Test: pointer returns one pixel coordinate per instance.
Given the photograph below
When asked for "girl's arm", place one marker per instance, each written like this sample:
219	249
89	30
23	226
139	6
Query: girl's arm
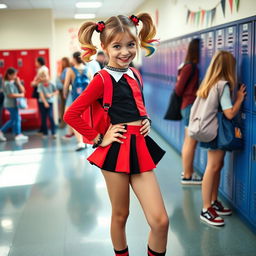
232	112
183	77
73	115
21	87
41	95
67	82
16	95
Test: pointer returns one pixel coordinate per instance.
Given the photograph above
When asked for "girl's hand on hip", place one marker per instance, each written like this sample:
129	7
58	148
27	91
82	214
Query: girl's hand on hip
145	129
113	134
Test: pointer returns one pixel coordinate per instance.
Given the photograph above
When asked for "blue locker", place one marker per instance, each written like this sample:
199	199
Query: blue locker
202	64
210	47
231	40
220	39
227	176
242	167
252	198
245	62
254	72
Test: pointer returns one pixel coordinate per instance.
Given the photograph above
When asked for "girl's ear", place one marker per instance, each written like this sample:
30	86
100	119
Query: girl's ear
104	48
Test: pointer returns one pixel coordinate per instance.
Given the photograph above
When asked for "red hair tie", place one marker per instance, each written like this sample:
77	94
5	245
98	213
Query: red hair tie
100	26
135	20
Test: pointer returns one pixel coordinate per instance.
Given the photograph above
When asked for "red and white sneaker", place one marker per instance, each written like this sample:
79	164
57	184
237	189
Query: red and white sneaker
220	209
68	136
211	217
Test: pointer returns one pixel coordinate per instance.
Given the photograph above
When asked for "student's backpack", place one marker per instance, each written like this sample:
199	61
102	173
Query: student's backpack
203	122
98	116
80	82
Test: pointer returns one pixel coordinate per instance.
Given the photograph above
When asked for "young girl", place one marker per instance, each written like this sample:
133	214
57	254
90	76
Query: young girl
126	154
186	86
46	92
77	75
222	67
13	89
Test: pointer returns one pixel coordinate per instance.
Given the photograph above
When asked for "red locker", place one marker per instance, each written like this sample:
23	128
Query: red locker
24	61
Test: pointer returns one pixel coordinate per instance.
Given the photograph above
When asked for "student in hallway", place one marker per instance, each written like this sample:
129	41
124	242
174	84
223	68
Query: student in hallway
125	153
13	89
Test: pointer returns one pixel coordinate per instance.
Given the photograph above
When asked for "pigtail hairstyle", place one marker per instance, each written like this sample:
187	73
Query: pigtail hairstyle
85	38
147	34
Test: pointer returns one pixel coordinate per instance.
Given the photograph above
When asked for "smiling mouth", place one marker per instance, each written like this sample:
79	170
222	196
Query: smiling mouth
125	59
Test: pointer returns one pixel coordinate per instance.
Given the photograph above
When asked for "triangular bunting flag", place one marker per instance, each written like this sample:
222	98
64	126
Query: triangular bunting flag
223	6
207	18
213	12
231	5
202	16
237	4
198	18
188	14
192	17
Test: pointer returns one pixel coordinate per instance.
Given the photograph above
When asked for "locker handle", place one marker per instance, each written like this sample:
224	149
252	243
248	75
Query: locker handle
254	152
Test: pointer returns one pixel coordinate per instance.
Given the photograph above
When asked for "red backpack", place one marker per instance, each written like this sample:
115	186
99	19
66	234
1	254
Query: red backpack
98	117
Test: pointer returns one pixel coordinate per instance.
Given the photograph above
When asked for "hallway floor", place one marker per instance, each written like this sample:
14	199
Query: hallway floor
54	203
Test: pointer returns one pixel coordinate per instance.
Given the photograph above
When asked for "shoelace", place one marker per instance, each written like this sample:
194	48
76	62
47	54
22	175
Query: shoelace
218	205
213	213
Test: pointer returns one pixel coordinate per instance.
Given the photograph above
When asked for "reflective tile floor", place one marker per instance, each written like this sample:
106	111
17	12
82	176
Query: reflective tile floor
53	203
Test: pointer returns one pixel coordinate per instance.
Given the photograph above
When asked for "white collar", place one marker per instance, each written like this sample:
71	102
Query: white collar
118	75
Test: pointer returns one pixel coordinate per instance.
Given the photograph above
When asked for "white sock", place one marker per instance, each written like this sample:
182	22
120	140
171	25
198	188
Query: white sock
205	210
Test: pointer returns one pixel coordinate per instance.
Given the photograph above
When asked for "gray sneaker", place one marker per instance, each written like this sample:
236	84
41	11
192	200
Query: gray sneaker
2	137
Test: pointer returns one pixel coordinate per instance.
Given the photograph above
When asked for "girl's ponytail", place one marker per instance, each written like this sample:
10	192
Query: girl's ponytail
85	38
147	33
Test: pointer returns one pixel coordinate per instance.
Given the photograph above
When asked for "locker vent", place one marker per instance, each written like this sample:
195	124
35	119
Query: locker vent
245	42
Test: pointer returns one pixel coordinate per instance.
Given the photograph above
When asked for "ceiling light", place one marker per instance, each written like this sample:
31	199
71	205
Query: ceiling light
85	16
3	6
88	4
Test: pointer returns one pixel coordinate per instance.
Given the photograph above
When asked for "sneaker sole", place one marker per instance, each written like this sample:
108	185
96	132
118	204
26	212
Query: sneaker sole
211	223
224	214
191	182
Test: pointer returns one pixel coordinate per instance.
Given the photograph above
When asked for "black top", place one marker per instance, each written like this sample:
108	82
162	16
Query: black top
123	109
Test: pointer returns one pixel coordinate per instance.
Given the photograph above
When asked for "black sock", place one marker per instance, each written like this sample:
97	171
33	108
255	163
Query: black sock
152	253
122	253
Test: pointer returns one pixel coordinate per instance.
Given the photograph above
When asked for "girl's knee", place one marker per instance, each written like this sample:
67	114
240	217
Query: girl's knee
160	223
120	216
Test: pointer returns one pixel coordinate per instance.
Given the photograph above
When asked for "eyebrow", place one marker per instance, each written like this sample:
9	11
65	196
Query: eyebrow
120	42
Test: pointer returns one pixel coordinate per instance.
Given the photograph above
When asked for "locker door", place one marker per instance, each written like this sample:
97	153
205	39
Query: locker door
252	198
245	62
242	167
209	48
231	40
26	67
7	59
202	64
227	177
254	68
219	42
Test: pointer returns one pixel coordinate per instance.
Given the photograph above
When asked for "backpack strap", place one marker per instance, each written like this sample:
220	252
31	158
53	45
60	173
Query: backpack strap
138	75
75	70
108	89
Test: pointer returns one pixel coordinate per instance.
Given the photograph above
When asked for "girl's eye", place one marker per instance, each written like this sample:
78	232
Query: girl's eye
116	46
131	44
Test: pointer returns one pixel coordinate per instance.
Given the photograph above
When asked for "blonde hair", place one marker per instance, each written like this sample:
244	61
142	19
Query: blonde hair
114	26
222	67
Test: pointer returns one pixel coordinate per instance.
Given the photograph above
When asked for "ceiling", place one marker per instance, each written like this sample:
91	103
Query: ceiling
65	9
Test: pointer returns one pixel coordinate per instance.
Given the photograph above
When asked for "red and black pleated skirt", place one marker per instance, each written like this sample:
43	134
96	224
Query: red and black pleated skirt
136	155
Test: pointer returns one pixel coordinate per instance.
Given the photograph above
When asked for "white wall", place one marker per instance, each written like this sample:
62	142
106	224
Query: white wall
66	37
173	13
28	29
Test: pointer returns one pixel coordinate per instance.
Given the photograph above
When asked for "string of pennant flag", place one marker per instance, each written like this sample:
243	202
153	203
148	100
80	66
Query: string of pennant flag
207	16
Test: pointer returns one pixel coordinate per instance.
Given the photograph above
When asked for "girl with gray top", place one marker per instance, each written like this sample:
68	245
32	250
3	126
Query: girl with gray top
12	89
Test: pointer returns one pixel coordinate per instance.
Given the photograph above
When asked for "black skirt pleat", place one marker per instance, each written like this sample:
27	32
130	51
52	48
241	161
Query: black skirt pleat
154	150
111	158
134	163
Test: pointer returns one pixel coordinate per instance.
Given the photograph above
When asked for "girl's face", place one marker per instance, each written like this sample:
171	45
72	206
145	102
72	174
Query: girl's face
12	76
121	51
